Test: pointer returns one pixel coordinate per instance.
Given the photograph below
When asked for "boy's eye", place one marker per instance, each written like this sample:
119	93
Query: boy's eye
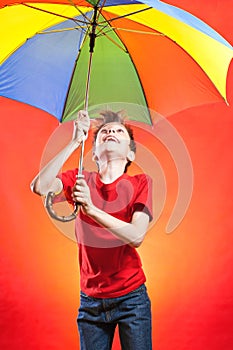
120	130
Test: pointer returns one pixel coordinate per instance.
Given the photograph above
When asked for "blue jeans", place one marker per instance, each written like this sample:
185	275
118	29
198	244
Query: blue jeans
98	318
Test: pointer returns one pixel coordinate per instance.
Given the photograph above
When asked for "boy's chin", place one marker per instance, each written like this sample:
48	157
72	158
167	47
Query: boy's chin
112	149
111	144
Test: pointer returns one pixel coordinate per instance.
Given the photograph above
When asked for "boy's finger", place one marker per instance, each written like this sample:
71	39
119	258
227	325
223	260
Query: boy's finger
80	182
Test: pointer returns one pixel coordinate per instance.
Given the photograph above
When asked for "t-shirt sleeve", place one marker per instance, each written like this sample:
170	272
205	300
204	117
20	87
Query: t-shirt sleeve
143	199
68	179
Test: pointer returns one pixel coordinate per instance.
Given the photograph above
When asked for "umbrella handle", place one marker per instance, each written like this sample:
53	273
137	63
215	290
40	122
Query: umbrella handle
49	206
50	196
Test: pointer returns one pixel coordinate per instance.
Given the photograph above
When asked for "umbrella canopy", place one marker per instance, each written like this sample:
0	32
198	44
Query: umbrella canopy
147	53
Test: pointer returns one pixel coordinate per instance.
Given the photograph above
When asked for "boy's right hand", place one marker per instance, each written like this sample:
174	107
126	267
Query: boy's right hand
81	126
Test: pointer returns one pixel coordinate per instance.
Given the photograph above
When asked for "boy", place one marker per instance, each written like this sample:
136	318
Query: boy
115	210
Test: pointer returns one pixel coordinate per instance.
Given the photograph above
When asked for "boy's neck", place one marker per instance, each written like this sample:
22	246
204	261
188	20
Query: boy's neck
111	170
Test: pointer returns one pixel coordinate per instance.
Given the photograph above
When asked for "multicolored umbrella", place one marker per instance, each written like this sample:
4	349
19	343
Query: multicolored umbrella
147	53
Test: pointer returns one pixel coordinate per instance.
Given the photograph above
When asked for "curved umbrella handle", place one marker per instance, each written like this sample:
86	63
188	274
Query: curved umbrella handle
50	196
49	206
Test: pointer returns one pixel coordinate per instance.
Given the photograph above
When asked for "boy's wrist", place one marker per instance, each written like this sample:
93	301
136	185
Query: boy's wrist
74	144
91	210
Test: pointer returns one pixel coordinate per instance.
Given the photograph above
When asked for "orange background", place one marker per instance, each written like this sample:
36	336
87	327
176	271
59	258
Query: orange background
189	272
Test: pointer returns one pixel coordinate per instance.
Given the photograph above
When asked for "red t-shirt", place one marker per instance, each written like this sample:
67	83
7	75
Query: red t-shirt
109	267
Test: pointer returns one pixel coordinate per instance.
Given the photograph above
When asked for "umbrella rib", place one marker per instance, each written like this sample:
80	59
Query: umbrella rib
78	9
127	15
63	30
115	28
100	9
133	31
114	42
54	14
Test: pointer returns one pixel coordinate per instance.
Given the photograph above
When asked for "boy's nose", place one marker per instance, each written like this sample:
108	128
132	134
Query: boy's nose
111	130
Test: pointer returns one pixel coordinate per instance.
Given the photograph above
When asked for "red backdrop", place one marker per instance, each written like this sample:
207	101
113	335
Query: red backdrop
189	272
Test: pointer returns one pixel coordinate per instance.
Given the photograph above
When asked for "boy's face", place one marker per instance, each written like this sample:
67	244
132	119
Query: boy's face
112	138
114	132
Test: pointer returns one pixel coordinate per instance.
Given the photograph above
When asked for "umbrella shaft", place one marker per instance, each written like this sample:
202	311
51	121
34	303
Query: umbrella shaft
92	35
80	167
88	83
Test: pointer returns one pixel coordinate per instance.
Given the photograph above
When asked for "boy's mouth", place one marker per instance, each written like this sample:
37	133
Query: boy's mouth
111	138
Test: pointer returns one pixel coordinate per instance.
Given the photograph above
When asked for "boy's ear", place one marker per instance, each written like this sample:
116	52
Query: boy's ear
131	156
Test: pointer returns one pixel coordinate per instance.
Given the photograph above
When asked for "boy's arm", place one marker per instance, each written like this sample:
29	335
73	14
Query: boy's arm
46	180
131	233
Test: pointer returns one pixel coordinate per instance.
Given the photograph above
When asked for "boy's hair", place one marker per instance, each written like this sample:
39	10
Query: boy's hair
115	117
